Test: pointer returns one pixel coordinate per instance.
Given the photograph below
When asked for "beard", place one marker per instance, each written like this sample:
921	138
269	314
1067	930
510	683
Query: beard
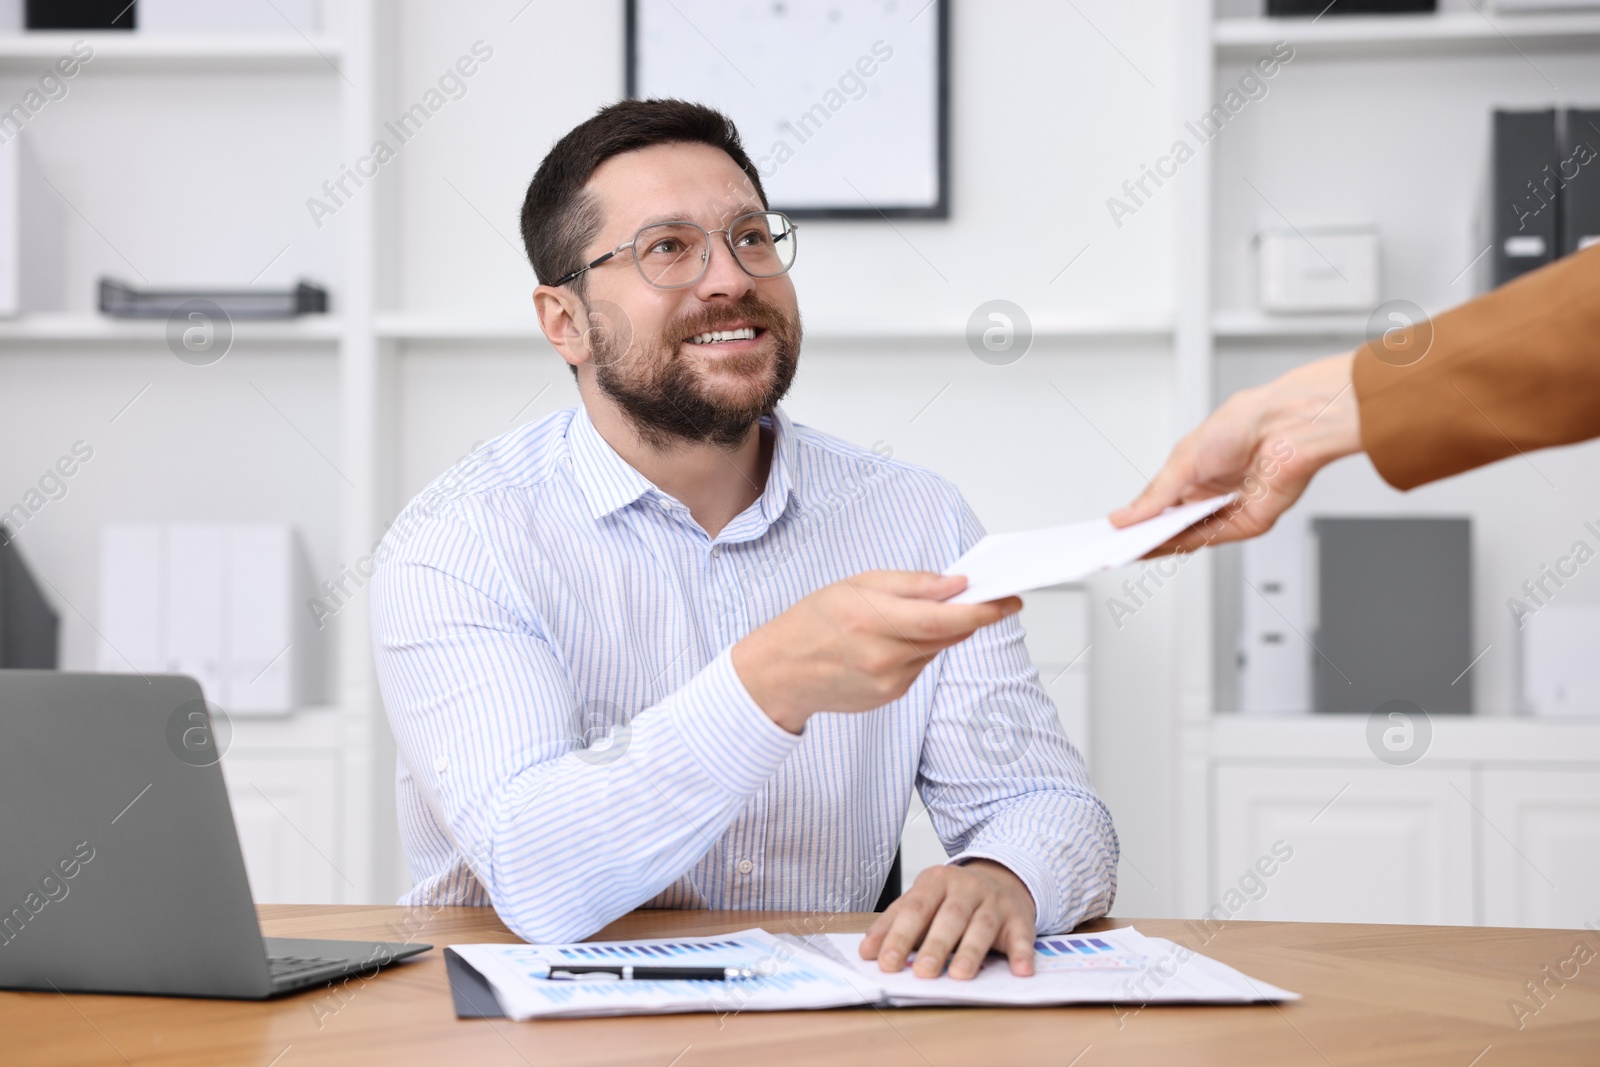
658	385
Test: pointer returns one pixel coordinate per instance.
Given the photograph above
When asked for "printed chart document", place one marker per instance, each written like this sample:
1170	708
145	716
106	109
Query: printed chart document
1111	967
1119	966
1005	564
787	977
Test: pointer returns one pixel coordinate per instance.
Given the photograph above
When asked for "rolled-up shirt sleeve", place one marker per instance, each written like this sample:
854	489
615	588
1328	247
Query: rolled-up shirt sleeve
564	836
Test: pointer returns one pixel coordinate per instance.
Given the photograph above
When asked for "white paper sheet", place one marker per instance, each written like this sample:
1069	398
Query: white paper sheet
1119	966
788	978
1005	564
826	971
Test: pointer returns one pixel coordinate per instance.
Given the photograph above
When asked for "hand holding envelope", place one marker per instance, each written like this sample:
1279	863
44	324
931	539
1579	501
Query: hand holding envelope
1005	564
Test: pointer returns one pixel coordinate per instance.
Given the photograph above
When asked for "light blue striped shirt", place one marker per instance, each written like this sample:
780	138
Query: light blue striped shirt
552	636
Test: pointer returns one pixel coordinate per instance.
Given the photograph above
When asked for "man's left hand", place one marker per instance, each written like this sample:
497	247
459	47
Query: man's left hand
964	909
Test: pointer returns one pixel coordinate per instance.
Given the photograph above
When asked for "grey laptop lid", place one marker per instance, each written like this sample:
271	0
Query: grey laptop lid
120	870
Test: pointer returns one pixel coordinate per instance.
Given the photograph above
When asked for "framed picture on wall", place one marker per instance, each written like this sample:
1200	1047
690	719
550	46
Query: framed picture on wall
843	104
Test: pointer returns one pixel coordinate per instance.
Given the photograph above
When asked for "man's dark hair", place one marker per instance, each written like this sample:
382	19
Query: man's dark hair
559	219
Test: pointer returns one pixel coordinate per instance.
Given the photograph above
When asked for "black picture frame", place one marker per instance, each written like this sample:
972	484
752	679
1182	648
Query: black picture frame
938	208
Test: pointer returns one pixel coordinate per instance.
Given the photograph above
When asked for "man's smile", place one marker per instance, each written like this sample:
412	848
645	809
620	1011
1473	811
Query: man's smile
722	336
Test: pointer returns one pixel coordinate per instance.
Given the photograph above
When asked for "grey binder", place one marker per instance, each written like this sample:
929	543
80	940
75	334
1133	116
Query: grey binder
1394	614
1526	192
1580	174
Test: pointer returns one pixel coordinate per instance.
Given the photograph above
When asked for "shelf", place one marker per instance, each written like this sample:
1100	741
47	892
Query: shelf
1456	738
97	329
413	327
1408	35
1252	325
165	54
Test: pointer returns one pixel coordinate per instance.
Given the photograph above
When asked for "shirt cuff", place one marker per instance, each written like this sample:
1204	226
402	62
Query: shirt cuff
735	743
1037	877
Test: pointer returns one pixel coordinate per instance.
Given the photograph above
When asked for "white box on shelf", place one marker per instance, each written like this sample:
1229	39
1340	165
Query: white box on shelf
233	16
1274	658
1317	270
218	601
1561	660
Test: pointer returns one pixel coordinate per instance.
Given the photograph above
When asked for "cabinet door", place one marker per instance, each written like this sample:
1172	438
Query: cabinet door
286	808
1541	847
1364	844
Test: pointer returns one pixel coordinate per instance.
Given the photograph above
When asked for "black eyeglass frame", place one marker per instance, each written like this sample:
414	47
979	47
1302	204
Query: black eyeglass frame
790	228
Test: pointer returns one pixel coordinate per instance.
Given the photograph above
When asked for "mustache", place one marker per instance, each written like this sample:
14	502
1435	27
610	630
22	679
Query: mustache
751	310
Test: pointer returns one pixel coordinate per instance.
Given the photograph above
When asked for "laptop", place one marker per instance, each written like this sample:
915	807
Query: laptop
120	869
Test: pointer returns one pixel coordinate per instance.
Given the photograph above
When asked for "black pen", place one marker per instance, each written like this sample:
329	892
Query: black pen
629	972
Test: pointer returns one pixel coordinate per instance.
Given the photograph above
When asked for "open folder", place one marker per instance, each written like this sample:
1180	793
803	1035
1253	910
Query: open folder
826	971
1002	565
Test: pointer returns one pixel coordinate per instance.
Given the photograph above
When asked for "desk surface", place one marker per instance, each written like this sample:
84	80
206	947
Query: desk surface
1373	994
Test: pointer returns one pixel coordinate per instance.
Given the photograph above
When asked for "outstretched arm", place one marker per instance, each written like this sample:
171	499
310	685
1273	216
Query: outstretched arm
1264	444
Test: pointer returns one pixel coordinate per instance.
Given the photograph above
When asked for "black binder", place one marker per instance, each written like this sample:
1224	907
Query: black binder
80	15
28	624
473	995
1526	192
1580	203
1349	7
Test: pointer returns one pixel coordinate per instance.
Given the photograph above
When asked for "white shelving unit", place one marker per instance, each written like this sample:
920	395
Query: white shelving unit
305	787
1446	32
98	330
1438	840
134	52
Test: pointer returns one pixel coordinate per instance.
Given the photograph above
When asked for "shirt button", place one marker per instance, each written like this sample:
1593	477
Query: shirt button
441	764
716	550
745	866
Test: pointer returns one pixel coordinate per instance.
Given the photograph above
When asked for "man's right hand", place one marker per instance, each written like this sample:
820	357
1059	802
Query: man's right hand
858	644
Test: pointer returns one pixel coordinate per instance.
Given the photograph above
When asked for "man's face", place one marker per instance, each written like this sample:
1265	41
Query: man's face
650	348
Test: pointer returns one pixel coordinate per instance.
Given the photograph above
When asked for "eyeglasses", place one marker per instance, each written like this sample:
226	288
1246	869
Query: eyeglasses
671	255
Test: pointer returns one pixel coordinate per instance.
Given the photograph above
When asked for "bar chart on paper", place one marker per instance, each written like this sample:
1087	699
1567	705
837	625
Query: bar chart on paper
683	951
1051	955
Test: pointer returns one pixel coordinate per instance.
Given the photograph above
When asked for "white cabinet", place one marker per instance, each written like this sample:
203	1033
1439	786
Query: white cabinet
286	809
1497	823
1541	847
1364	844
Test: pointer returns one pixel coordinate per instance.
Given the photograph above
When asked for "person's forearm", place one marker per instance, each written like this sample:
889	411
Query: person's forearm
1515	370
582	841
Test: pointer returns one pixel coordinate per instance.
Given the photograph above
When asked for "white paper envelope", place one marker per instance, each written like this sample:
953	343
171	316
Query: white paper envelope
1005	564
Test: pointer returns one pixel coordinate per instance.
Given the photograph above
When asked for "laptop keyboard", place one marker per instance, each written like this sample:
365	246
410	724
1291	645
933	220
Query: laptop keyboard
288	968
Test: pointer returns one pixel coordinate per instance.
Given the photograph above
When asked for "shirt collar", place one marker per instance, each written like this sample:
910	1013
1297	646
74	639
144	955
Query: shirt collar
609	483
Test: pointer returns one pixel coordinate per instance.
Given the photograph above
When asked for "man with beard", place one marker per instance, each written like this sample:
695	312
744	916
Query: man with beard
604	649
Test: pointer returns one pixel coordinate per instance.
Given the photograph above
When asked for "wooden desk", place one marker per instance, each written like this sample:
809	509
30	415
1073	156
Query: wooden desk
1373	994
